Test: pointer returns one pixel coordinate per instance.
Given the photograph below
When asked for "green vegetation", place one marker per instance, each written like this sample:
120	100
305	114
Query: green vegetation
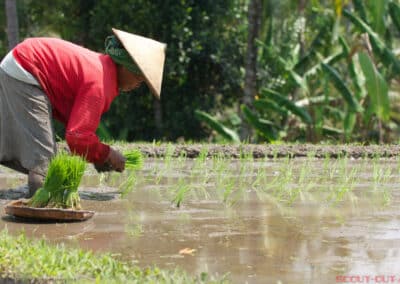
322	67
134	160
324	71
60	189
25	260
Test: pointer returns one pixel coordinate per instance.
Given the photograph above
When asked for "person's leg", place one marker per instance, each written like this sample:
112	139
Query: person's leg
26	130
15	165
35	181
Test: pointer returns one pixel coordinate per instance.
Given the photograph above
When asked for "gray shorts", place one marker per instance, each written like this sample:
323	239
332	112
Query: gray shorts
27	140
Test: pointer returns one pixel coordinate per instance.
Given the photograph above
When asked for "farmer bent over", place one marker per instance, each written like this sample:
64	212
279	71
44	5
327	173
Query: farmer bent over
43	78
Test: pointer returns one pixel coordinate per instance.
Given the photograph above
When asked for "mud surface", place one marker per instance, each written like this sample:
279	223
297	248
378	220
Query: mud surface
271	151
345	220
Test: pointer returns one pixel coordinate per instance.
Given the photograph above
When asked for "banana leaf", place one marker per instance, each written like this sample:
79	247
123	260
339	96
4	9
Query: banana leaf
377	87
214	124
317	43
264	127
394	11
377	11
327	130
387	57
314	100
352	69
341	87
331	59
300	81
360	8
289	105
337	113
266	105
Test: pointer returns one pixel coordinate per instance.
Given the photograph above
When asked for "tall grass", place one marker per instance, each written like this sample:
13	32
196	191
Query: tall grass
34	261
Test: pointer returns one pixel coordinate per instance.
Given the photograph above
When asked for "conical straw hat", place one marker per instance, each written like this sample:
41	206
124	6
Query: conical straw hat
149	56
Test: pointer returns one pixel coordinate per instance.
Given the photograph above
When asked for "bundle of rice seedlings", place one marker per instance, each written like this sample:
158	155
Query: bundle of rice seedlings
60	188
134	160
76	169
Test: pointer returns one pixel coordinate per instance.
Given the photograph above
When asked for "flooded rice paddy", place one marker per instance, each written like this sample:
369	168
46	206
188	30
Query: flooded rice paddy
257	221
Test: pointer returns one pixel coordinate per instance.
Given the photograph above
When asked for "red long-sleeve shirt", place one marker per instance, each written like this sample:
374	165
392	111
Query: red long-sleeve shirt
80	85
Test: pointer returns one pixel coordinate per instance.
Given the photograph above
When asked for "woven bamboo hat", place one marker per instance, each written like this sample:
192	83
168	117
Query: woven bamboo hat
149	56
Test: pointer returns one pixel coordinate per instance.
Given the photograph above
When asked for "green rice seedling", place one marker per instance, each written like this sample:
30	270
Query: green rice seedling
386	196
246	156
181	190
52	184
182	157
134	160
199	162
219	163
134	226
260	179
200	191
72	200
134	230
333	170
311	155
203	154
127	186
169	153
75	171
228	189
40	198
274	155
60	188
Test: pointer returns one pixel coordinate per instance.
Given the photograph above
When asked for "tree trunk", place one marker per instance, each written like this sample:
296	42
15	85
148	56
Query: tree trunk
250	82
158	117
301	11
12	23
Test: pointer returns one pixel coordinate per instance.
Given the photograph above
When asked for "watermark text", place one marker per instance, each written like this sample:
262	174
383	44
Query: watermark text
368	279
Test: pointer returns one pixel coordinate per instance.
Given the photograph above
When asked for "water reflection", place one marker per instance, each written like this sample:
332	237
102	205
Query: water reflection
239	218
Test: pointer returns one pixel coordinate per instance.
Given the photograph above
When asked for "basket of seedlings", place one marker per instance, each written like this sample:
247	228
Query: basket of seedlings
58	199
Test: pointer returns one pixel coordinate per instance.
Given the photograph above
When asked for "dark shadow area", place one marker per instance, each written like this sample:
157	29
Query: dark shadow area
13	219
22	192
99	196
9	280
14	193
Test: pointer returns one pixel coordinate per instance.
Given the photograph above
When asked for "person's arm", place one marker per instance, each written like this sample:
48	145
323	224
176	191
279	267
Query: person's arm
81	131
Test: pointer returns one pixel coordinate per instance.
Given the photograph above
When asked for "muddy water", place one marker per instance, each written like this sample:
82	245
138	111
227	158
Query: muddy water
343	222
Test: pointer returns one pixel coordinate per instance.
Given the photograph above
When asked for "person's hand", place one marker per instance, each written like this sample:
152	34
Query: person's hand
116	160
101	168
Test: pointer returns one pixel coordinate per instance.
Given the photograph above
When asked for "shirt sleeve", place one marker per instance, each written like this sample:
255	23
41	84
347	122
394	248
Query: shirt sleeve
81	128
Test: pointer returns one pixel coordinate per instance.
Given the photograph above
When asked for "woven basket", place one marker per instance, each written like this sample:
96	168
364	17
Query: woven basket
19	208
